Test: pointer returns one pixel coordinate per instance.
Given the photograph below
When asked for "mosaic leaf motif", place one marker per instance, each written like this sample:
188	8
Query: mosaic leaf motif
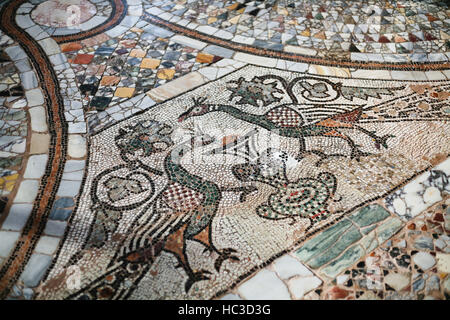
253	91
208	223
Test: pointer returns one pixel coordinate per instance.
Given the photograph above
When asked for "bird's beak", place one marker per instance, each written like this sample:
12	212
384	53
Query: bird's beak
182	117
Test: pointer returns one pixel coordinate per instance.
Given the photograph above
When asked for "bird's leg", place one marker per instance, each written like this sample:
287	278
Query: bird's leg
204	237
194	276
379	141
355	153
176	244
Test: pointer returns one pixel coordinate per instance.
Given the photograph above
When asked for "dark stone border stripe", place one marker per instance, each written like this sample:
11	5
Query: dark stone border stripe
424	66
118	13
57	127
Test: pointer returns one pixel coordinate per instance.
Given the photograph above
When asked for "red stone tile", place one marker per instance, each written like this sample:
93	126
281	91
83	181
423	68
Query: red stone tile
83	58
71	46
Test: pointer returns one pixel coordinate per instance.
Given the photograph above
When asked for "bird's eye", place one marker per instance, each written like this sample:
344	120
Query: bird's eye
198	109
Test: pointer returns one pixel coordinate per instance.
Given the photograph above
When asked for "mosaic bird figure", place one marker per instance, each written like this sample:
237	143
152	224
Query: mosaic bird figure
183	211
288	122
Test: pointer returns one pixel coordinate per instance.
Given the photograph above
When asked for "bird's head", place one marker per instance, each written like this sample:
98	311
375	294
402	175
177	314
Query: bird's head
198	109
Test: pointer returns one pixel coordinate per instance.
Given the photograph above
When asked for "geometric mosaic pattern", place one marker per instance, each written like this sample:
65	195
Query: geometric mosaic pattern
329	28
224	150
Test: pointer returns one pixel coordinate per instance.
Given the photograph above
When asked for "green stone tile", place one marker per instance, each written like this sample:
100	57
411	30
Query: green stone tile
323	241
369	242
366	230
350	256
349	237
369	215
388	229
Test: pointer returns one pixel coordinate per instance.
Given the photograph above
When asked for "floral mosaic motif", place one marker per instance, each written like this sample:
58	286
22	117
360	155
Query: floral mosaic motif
153	213
252	92
306	197
149	138
120	188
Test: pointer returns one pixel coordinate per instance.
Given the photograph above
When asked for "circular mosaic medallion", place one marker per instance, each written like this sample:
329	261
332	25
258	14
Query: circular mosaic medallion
63	14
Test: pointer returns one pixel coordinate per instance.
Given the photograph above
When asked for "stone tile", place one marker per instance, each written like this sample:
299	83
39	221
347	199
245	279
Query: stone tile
265	285
424	260
176	87
299	286
7	241
68	188
219	51
36	166
55	228
27	191
35	269
47	245
323	241
39	143
38	119
189	42
443	262
34	97
287	267
258	60
77	146
398	281
388	228
17	217
348	258
369	215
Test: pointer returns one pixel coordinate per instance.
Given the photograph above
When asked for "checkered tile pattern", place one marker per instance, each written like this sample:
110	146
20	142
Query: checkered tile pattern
181	198
285	117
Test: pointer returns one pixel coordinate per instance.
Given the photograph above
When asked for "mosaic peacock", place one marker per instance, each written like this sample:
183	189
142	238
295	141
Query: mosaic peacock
182	211
287	122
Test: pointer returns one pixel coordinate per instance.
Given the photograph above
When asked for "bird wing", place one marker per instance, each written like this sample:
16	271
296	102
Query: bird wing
345	120
285	117
156	223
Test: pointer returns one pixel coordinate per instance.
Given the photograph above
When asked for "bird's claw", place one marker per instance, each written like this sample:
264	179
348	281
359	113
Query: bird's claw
357	154
382	141
196	277
225	254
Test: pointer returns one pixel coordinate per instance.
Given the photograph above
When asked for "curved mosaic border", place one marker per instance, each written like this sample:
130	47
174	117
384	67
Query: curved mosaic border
58	130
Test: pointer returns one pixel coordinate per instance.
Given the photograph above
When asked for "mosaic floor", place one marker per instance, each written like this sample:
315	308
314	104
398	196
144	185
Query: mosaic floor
227	149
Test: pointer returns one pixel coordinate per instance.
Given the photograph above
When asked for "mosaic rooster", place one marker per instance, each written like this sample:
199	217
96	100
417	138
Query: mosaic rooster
182	211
